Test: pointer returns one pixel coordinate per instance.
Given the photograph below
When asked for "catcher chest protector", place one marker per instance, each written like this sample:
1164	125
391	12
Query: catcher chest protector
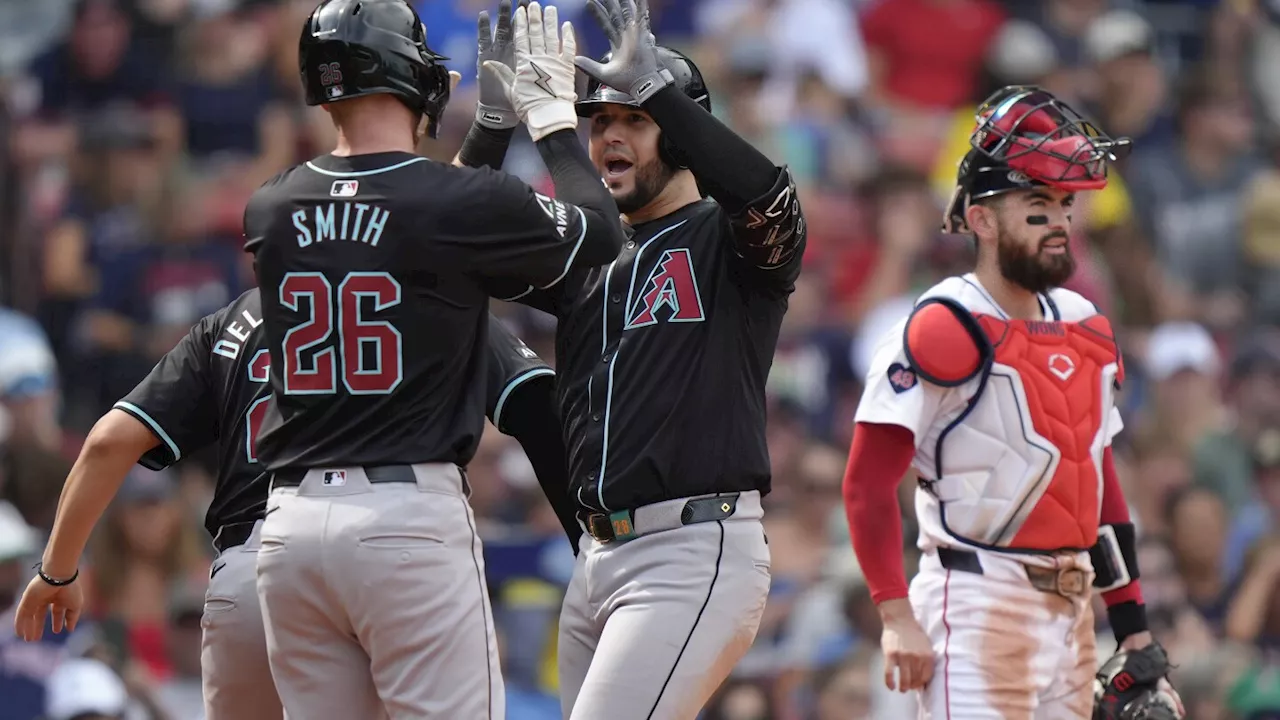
353	48
687	78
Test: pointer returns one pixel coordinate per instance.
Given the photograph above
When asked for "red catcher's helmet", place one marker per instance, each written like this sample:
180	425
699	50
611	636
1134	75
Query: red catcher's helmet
1025	137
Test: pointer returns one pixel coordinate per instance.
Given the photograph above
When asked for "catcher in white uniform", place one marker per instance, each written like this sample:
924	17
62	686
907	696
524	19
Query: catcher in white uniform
999	390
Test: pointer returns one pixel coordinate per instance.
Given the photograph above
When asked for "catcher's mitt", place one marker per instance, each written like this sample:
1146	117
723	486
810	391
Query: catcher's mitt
1132	686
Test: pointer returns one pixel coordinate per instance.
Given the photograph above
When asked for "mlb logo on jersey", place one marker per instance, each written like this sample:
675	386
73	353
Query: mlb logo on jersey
334	478
344	188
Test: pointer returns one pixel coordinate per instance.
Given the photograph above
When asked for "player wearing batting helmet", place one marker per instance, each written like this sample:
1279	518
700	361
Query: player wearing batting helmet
374	265
999	389
661	364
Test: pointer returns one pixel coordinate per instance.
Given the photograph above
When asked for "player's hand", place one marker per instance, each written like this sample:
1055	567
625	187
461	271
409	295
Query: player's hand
908	651
541	86
494	109
633	63
65	602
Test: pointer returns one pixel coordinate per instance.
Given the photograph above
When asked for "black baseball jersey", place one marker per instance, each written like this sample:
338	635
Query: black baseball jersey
662	356
372	273
511	364
212	387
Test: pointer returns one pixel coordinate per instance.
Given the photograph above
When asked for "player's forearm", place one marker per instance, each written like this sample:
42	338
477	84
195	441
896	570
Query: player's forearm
484	147
729	168
577	182
879	457
1125	609
110	451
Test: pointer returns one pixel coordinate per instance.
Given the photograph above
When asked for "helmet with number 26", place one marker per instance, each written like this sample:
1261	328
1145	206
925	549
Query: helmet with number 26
354	48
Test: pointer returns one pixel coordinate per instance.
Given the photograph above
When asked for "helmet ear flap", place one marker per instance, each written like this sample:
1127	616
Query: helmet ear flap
435	88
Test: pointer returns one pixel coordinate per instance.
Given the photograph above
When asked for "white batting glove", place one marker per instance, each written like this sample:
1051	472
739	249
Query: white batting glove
541	89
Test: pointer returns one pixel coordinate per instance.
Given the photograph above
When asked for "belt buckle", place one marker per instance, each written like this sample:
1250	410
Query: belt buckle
599	528
1070	582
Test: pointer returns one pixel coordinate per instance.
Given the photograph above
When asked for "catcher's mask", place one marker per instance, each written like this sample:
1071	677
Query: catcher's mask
1025	137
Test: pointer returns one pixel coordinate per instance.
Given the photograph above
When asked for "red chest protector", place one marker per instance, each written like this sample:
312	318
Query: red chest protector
1064	373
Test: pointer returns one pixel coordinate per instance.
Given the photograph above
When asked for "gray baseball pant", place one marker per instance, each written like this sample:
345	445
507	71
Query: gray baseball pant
652	626
235	675
375	600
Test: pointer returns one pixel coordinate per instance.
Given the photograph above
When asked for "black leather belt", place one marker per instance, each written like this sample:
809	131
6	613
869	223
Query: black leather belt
292	477
232	535
621	525
1067	582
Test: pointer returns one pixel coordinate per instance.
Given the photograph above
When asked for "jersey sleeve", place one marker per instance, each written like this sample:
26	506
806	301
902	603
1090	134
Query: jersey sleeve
512	364
769	235
502	228
894	394
176	400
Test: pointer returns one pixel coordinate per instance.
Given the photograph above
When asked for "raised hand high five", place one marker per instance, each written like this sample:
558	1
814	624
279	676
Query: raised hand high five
632	64
541	88
494	109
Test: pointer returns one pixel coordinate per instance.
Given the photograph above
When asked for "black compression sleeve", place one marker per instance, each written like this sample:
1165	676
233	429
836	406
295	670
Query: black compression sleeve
578	183
531	418
485	147
728	167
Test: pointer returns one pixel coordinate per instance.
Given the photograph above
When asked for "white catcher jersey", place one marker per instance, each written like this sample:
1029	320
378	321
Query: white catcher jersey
1010	459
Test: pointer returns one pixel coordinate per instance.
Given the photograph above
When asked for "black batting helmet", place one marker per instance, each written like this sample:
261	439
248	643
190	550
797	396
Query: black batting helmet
1025	137
688	78
354	48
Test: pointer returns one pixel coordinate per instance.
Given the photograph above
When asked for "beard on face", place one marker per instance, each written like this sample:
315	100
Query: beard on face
1033	269
650	179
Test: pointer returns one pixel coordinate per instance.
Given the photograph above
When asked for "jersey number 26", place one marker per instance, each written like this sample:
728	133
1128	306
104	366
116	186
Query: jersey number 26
336	323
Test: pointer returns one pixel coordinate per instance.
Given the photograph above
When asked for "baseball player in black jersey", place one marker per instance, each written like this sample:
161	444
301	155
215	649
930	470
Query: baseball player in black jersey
374	265
662	358
212	389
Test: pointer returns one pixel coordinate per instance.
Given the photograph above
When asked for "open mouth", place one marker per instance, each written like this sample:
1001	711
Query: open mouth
616	168
1056	246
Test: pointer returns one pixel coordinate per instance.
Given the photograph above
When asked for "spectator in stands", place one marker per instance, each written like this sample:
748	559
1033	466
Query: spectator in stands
29	386
844	690
740	699
1225	459
925	57
1132	90
112	212
25	668
1197	522
1253	617
1182	366
232	111
142	548
98	65
1189	205
1173	619
85	689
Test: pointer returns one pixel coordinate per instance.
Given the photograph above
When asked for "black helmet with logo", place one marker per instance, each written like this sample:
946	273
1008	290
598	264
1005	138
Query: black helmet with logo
354	48
687	78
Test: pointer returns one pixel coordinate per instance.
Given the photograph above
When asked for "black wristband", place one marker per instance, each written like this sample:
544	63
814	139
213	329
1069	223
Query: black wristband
1127	618
485	147
39	568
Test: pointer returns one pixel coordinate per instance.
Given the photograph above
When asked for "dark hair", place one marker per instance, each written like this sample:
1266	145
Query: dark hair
1200	90
1180	495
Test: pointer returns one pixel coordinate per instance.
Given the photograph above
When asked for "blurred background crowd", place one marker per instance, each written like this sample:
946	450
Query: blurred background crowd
134	130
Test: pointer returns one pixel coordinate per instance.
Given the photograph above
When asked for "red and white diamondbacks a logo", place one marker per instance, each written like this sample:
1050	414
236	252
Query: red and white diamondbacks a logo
671	284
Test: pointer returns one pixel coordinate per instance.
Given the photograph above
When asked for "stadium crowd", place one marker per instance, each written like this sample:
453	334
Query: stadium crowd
136	129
